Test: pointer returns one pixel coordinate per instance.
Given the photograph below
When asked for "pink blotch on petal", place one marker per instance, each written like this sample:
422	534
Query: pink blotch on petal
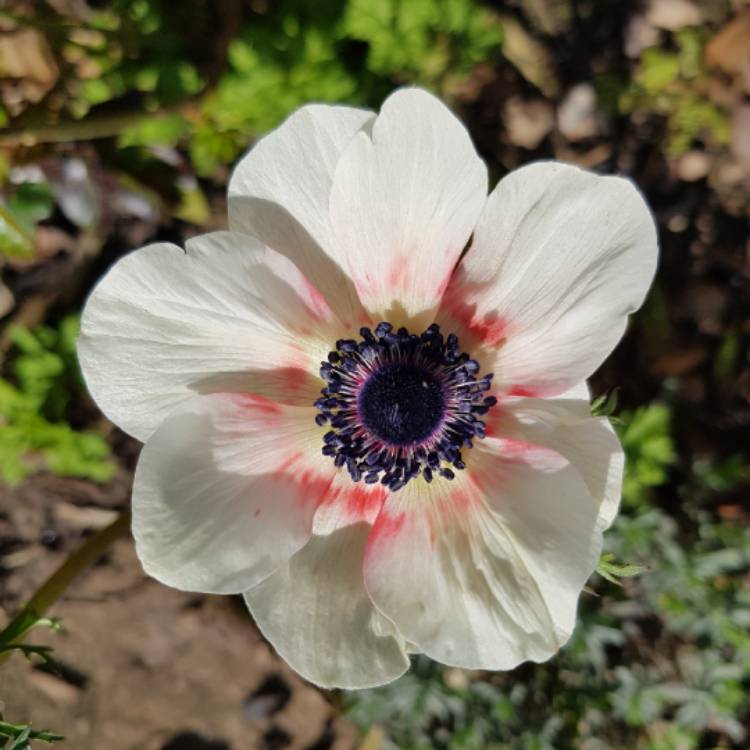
298	348
288	463
365	287
517	449
387	527
489	329
356	503
258	408
461	501
444	284
493	422
316	302
520	390
398	275
313	488
293	377
363	502
458	502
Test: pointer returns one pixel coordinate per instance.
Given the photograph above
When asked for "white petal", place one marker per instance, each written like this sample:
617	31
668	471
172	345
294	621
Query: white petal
316	613
560	258
404	202
579	392
225	492
227	315
293	167
279	192
485	572
566	426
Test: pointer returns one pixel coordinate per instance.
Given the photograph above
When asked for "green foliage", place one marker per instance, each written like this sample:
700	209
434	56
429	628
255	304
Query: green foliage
20	736
723	475
605	405
693	116
612	571
670	83
16	629
137	46
276	65
423	40
697	592
31	203
649	452
34	434
285	55
165	129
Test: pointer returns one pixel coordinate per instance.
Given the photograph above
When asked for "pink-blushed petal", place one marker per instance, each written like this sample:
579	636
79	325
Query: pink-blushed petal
280	190
315	609
226	490
227	314
485	572
566	426
406	195
560	258
347	503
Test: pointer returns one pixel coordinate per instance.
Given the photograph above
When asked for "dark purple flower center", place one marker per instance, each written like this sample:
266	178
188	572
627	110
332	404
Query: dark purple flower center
401	404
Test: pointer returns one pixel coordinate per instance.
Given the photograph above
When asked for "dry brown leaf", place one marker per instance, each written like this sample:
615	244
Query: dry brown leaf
531	57
27	68
729	50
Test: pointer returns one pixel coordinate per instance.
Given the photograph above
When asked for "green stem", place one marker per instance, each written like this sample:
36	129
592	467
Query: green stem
56	585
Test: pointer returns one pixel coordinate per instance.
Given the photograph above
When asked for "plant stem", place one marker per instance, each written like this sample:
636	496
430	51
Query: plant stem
56	585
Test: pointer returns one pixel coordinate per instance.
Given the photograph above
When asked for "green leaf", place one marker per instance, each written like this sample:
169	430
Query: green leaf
29	650
20	734
21	624
612	571
606	404
31	203
15	241
649	450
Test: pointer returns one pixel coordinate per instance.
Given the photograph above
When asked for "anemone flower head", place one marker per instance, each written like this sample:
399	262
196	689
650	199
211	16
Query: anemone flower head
380	438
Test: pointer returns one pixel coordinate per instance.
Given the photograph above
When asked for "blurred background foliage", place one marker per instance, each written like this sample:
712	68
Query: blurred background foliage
121	120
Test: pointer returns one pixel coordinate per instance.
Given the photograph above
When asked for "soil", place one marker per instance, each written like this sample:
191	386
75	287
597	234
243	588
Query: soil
140	666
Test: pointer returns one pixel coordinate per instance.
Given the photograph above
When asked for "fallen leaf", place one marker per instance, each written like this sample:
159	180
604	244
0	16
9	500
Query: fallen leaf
729	50
531	57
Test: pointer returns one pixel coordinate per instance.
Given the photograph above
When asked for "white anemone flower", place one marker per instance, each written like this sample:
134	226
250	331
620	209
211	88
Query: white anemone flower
382	442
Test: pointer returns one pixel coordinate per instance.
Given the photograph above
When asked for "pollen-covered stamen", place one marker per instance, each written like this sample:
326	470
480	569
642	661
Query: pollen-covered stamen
400	405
